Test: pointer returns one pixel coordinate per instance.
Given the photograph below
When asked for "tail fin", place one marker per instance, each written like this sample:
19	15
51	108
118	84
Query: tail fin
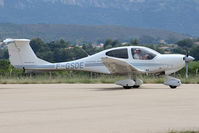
21	54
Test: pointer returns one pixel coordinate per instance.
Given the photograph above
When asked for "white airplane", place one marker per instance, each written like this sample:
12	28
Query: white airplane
129	60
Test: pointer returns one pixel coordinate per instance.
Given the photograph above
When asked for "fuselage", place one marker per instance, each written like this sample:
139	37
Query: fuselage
155	63
131	60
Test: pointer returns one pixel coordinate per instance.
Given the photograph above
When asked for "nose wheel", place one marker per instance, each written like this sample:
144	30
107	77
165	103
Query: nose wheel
172	82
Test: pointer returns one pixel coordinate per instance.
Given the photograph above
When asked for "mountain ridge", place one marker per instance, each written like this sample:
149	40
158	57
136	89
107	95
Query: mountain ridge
173	15
51	32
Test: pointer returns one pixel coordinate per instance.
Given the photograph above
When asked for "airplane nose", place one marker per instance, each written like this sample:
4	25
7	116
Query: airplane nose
188	58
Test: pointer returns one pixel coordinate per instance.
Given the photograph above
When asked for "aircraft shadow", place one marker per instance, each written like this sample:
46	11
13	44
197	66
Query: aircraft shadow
108	89
120	88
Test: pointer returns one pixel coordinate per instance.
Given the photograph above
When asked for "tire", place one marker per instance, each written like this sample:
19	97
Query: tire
127	87
136	86
172	87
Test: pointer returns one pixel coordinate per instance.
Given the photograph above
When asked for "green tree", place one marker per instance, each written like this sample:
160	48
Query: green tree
89	49
36	44
108	43
195	52
115	43
134	41
186	43
78	53
4	53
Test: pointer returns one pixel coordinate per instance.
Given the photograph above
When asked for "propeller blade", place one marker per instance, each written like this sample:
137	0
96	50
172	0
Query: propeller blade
187	60
187	69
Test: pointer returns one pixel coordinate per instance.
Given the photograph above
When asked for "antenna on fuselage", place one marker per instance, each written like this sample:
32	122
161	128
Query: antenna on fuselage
84	51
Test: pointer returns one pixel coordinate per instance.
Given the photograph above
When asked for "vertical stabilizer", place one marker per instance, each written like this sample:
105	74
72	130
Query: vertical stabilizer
21	54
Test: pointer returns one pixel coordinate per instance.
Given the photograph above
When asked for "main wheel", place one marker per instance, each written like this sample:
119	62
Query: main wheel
127	87
136	86
172	87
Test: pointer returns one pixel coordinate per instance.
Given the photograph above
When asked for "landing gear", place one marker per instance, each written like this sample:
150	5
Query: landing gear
127	87
172	82
136	86
172	87
127	83
130	83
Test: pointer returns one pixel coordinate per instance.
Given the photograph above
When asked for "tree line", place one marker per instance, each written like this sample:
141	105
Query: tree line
61	50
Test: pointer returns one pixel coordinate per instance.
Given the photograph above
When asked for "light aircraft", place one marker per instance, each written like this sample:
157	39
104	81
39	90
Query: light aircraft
129	60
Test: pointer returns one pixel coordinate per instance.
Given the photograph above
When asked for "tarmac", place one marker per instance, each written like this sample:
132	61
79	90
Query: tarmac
97	108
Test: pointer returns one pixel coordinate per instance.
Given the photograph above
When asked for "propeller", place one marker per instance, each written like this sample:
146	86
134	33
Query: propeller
187	60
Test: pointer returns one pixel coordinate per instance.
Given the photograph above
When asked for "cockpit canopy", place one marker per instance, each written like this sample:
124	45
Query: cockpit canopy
118	53
138	53
143	54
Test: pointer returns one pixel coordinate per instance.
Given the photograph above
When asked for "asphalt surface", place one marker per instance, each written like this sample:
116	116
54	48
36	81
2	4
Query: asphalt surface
97	108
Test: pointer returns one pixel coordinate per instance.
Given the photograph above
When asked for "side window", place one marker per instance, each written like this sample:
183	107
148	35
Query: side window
118	53
141	54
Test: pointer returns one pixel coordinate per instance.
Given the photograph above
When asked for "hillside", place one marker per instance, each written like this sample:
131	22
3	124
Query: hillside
51	32
172	15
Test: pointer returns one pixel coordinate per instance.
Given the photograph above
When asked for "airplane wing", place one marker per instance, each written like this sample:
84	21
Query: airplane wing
119	66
